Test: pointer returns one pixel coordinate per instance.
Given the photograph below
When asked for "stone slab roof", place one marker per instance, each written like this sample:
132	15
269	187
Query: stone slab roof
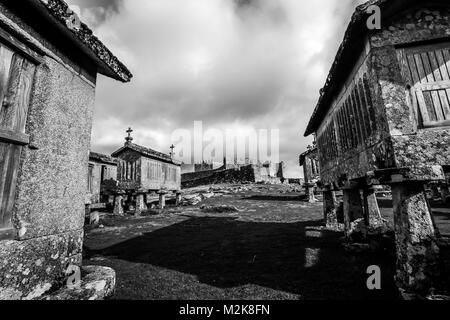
303	156
83	37
146	152
103	158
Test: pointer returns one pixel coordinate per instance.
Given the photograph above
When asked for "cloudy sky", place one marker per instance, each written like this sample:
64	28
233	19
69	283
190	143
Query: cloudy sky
229	63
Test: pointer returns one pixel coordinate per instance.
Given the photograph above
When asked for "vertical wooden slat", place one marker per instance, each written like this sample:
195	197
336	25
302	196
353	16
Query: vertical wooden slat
365	108
5	65
358	134
422	106
435	66
413	68
23	96
8	174
442	65
420	68
446	54
445	104
8	112
437	105
351	124
427	66
368	93
363	111
430	105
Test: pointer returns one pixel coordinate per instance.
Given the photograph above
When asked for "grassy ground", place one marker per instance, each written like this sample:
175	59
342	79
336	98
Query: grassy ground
274	248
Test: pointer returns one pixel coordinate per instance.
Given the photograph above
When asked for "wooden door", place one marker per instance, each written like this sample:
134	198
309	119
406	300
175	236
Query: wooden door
16	79
428	69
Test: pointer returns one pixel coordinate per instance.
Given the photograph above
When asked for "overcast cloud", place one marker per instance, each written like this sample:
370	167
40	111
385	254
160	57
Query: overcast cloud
228	63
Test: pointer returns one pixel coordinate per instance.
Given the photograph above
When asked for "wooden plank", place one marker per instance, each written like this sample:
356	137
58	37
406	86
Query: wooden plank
8	114
413	69
363	107
348	125
445	102
437	105
10	185
17	45
422	105
446	54
434	86
436	124
427	65
429	105
435	66
23	95
420	68
358	105
14	137
442	65
4	161
368	93
356	121
5	65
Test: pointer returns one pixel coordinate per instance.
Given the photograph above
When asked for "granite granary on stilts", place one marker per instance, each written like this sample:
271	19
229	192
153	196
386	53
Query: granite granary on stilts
383	118
144	173
49	63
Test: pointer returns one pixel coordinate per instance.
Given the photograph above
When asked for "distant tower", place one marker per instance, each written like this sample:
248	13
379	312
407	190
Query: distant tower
129	138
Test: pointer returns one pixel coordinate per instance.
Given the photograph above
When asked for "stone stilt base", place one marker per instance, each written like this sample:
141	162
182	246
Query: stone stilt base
330	207
372	215
178	199
162	199
415	237
118	208
141	206
310	197
353	210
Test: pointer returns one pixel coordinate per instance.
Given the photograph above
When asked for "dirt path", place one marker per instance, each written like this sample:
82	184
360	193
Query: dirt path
274	248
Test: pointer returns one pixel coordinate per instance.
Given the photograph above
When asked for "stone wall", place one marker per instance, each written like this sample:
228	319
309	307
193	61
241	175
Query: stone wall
48	215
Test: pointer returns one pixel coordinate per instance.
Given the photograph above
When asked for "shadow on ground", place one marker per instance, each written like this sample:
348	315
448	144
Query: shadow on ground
224	252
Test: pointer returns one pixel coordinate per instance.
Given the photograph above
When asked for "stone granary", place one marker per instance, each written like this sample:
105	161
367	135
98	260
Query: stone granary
143	172
102	177
311	171
48	70
383	117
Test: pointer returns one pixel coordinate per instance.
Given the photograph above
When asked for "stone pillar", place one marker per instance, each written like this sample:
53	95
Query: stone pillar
372	215
118	208
415	237
353	209
141	206
330	207
178	198
162	199
445	193
310	197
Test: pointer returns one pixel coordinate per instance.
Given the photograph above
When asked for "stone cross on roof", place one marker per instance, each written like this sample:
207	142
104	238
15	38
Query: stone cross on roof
171	150
129	138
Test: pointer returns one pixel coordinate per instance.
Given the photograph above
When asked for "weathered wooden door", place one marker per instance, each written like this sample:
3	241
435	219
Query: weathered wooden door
428	68
16	79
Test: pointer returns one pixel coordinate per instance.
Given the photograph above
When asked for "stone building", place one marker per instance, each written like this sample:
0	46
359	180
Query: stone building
48	70
102	174
143	171
383	117
311	171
